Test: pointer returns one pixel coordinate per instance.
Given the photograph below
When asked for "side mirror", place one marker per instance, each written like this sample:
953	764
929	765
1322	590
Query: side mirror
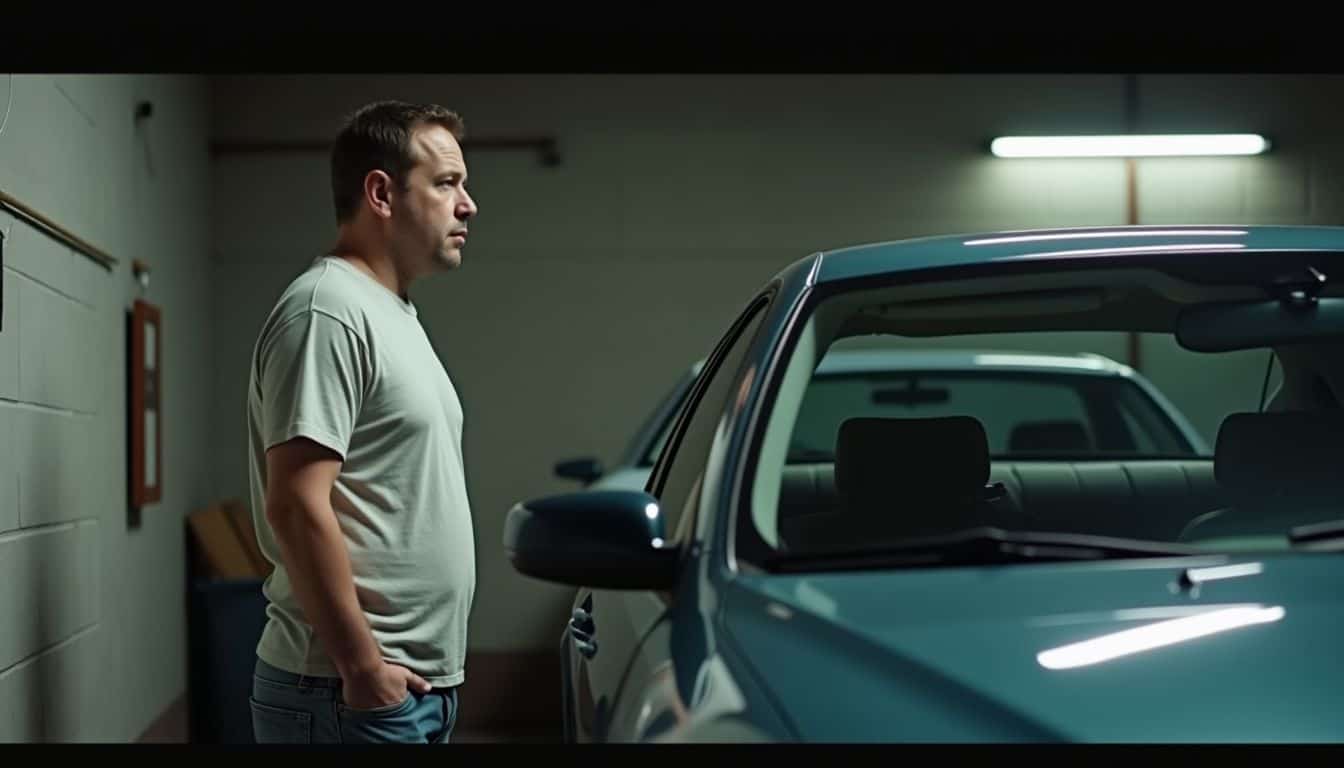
601	539
584	470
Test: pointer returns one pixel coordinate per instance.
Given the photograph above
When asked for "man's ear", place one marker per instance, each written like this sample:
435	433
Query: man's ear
378	193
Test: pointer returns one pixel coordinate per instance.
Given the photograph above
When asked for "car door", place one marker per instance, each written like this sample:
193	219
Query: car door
619	664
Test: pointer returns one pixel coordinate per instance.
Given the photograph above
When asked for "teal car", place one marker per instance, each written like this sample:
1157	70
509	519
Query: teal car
883	562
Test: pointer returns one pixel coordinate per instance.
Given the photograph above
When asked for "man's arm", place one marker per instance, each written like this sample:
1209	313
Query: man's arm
300	475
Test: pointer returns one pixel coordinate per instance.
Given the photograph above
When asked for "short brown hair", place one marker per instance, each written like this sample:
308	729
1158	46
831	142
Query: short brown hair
378	137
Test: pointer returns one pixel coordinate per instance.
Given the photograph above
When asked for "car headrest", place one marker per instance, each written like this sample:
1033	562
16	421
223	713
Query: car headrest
1049	436
882	465
1291	452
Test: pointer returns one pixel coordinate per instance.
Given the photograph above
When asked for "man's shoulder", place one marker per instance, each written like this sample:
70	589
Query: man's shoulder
324	288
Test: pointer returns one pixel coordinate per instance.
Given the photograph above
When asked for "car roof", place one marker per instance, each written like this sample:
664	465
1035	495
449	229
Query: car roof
1067	244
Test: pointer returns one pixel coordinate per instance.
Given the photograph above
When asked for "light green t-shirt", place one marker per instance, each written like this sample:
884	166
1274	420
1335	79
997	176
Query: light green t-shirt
345	362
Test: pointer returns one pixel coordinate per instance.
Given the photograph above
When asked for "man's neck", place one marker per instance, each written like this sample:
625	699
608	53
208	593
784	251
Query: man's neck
376	263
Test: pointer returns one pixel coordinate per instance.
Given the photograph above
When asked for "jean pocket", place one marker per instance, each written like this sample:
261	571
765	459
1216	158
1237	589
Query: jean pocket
393	723
386	709
279	725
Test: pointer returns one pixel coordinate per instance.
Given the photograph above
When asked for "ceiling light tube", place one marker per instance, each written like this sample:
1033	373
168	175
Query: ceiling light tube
1130	145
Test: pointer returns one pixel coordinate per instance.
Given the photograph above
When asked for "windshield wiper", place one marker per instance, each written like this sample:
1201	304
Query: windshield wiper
980	546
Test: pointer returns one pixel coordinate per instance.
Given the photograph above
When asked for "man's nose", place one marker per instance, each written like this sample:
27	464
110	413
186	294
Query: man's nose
467	208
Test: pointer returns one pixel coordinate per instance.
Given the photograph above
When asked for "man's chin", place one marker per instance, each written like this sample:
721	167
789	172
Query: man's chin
448	259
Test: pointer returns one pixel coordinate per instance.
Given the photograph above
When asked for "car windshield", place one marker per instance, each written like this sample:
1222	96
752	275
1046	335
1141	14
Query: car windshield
891	426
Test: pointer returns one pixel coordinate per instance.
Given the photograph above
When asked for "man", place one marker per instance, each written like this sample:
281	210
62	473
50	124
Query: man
355	430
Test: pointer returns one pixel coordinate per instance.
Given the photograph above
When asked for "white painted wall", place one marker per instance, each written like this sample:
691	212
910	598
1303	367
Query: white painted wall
586	288
92	626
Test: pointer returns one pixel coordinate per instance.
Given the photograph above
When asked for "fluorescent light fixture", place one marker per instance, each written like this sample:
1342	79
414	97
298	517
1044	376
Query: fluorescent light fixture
1131	145
1107	235
1157	635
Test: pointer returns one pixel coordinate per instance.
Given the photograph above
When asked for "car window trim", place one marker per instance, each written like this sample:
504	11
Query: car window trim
658	474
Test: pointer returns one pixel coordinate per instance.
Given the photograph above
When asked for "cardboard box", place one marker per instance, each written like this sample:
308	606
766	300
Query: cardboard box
223	536
241	517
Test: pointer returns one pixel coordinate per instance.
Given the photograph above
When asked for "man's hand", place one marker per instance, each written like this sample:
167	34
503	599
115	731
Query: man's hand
381	686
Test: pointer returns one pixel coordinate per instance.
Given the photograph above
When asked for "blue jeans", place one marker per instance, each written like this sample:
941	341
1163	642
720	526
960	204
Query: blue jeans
295	709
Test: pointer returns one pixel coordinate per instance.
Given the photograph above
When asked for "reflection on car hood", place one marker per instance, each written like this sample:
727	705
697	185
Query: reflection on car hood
1114	651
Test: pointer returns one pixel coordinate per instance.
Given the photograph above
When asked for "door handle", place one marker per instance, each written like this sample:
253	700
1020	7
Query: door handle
582	629
586	645
583	621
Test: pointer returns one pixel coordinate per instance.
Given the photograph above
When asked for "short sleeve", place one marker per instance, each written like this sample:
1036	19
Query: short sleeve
312	375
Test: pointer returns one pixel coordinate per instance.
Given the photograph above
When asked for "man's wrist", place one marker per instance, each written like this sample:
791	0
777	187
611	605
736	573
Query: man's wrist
360	667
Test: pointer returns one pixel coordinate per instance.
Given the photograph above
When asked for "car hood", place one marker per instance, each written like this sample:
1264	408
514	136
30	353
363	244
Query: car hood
1235	649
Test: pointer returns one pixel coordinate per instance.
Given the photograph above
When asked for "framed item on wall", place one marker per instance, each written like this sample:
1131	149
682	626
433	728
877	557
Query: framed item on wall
146	422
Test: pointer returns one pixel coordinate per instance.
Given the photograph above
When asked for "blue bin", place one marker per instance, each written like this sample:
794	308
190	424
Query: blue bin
224	623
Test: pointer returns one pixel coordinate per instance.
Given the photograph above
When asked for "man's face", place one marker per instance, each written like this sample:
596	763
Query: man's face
430	228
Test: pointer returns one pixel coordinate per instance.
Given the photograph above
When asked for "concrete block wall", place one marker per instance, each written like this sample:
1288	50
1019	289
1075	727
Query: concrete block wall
92	626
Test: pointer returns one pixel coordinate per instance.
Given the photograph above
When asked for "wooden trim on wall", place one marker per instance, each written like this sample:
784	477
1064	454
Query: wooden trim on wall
43	223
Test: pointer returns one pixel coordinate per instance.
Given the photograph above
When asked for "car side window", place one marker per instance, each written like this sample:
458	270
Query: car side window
681	467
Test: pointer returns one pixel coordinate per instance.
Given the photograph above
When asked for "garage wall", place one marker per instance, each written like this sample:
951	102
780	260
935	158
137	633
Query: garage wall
587	287
92	635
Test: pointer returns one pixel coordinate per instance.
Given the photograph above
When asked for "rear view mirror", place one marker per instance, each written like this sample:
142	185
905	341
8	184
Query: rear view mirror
911	396
1248	325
